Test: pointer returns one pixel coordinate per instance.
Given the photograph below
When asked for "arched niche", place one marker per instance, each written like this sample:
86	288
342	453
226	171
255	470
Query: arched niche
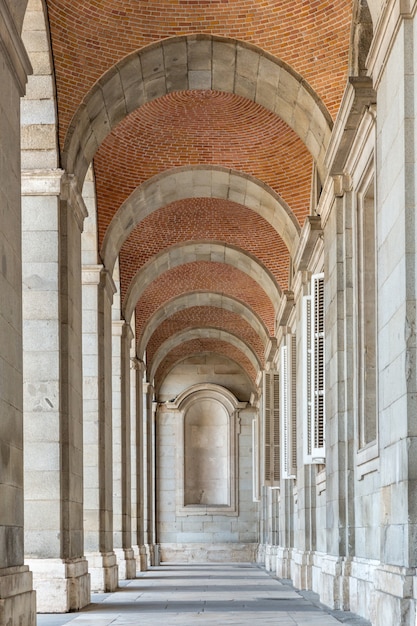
207	459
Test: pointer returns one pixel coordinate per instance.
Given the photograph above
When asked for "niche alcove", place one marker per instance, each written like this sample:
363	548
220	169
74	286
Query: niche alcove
207	455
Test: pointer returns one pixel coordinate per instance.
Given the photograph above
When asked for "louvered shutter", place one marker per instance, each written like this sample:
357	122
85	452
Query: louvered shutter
307	389
285	414
276	468
271	429
293	404
288	408
318	416
267	427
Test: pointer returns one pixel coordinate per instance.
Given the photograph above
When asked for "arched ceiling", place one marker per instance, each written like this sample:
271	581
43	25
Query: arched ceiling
204	122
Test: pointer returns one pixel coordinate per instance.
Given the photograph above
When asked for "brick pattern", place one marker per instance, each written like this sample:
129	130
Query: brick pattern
202	219
187	128
201	346
212	128
204	276
90	36
205	317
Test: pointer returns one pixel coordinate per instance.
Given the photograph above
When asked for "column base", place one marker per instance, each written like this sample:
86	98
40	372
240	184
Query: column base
141	559
61	586
126	562
103	570
283	562
150	554
17	597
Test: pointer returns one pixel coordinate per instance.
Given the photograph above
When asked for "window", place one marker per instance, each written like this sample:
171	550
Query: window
313	372
272	464
288	407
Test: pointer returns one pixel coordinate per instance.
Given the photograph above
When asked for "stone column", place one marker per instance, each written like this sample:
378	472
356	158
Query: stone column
122	535
149	473
53	391
141	463
134	491
17	600
98	290
339	411
305	533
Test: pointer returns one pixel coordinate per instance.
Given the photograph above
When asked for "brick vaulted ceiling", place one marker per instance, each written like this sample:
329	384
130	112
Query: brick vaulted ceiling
204	128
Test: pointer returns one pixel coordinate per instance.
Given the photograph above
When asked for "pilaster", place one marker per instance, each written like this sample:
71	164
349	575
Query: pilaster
53	393
122	534
17	599
98	290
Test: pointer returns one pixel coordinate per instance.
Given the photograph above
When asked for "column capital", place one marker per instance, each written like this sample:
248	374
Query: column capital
91	274
137	364
71	194
342	184
41	182
127	331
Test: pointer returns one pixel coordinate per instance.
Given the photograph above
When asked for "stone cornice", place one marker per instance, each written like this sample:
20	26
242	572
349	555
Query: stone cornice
127	332
358	97
385	32
91	274
41	182
71	194
270	350
13	49
309	235
117	328
284	311
107	283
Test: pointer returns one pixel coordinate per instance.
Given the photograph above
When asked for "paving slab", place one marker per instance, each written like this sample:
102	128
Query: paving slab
207	594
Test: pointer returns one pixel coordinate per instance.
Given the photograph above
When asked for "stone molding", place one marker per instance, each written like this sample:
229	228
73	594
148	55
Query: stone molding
229	65
13	49
200	298
310	233
199	251
285	309
385	32
41	182
204	182
71	195
202	333
359	95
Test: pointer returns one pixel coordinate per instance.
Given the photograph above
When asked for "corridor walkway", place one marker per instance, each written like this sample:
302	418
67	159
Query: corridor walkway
210	595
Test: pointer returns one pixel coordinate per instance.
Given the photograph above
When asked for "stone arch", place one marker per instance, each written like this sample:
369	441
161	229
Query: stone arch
201	333
188	300
196	62
204	182
199	251
165	371
361	38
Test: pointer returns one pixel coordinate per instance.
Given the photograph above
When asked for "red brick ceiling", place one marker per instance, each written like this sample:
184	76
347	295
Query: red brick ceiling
206	128
205	316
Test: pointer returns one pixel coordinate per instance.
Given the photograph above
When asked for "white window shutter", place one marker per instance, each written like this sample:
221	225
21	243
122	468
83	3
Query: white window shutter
285	414
271	429
307	382
276	467
288	408
267	427
318	382
292	369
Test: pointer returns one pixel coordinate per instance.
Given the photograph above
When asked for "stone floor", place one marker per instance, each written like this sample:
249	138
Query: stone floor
212	595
